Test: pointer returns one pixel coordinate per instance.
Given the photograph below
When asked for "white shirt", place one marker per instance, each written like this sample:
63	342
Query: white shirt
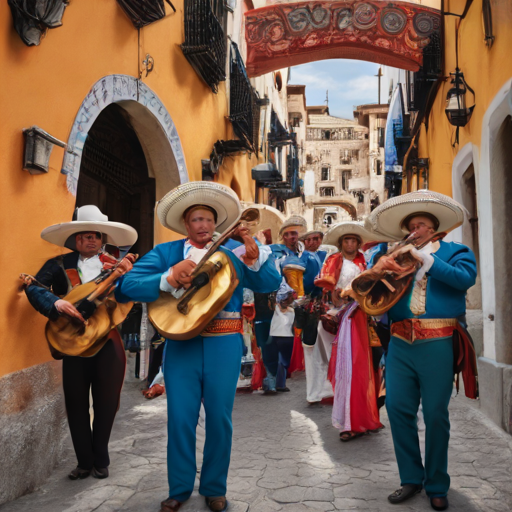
191	252
282	322
89	268
349	271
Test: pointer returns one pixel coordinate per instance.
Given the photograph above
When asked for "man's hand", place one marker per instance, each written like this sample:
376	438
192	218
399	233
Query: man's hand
251	247
126	264
388	263
179	274
66	308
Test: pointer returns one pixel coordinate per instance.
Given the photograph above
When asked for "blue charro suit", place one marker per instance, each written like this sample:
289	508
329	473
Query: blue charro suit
203	368
424	369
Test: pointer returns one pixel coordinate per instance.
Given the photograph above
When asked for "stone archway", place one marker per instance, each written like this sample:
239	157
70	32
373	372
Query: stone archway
150	120
397	34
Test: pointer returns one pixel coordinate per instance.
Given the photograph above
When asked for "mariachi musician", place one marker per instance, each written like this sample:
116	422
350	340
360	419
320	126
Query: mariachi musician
427	336
103	373
205	368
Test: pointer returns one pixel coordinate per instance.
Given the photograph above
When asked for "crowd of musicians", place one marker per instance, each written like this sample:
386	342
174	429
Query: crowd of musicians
373	313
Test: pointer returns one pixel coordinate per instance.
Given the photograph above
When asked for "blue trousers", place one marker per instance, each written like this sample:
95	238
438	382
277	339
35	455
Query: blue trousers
203	368
269	351
285	348
425	371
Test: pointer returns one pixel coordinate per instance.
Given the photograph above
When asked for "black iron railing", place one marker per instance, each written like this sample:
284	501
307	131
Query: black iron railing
144	12
205	42
420	83
243	102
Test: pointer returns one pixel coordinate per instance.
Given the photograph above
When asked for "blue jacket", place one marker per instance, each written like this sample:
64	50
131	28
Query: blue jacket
142	283
453	272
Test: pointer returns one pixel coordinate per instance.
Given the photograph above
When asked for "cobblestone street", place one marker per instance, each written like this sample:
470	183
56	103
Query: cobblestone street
286	457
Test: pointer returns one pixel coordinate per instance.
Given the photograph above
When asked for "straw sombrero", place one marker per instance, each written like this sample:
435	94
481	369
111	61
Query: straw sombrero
351	228
222	199
389	218
270	218
312	232
90	218
295	221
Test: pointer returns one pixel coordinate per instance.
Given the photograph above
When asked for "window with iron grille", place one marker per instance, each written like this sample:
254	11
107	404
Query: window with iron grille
326	174
327	192
244	110
205	42
349	156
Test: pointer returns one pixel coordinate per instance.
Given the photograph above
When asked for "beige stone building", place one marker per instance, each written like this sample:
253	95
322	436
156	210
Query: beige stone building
336	177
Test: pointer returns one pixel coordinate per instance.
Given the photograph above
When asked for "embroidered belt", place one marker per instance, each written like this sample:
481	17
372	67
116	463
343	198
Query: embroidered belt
413	329
223	326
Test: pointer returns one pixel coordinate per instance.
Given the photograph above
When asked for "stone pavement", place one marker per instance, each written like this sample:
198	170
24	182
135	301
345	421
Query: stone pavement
286	457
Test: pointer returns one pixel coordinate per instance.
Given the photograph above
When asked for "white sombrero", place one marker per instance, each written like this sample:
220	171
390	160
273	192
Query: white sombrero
222	199
295	221
389	217
90	218
351	228
270	218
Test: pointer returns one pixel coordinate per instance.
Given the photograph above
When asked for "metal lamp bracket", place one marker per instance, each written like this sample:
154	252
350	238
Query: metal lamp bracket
38	148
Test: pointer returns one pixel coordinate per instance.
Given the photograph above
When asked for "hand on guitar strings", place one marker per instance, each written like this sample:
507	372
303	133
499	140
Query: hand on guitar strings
388	263
251	247
66	308
179	274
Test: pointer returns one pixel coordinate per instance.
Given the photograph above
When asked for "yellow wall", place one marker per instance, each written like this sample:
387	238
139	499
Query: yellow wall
485	70
45	86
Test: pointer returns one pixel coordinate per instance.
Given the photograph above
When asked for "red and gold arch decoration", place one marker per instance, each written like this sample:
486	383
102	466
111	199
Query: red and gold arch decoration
390	33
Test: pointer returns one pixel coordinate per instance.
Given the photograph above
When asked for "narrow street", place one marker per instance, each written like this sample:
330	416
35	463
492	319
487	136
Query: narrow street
286	457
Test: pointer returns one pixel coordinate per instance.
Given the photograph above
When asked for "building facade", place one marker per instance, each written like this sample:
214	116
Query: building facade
106	108
336	178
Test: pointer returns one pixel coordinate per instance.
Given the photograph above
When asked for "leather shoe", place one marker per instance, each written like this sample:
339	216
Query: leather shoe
170	505
439	503
99	472
217	503
79	473
404	493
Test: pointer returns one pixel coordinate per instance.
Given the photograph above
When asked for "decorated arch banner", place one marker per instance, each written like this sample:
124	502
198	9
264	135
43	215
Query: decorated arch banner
390	33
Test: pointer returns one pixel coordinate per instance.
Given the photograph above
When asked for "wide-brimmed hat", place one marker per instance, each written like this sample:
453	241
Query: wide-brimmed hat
90	218
295	221
353	228
270	218
389	218
312	232
222	199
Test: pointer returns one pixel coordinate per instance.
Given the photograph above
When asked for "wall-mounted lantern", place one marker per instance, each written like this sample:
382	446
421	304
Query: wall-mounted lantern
456	110
38	148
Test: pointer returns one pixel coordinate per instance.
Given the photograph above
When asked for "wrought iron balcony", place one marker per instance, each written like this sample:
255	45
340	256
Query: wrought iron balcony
144	12
244	108
205	42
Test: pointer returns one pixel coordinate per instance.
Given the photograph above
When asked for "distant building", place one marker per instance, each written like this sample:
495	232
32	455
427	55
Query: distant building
374	117
336	179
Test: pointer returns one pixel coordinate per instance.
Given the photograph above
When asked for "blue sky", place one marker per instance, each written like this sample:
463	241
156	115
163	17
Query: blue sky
350	82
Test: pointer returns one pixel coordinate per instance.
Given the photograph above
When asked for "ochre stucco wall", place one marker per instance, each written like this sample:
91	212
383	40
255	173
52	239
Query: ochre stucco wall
485	70
45	86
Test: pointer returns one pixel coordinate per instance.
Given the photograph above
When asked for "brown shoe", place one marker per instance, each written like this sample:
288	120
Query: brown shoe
217	503
170	505
79	473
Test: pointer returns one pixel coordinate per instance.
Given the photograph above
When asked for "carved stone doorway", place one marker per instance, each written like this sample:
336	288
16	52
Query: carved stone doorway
114	175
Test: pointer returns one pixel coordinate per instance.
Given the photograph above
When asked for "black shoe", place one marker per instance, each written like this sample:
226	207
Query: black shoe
439	503
100	472
283	390
404	493
79	473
